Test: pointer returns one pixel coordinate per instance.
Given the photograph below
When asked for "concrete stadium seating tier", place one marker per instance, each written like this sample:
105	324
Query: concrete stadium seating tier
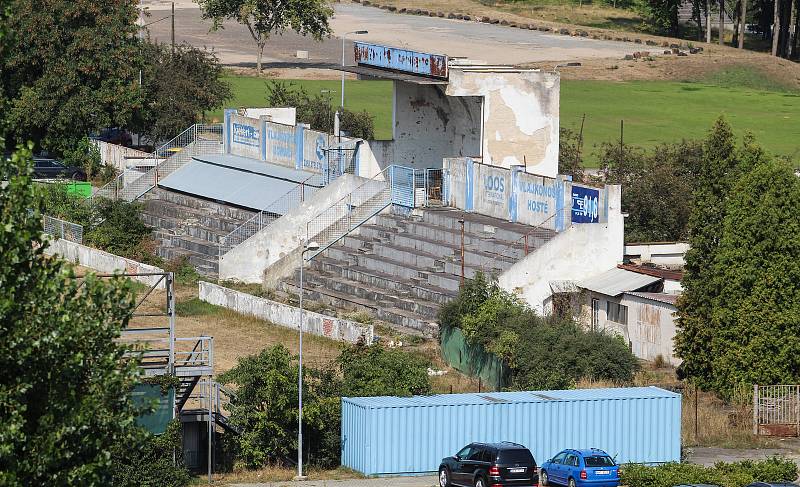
187	226
403	269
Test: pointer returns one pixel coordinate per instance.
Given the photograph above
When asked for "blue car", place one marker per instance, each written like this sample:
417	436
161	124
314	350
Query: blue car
580	468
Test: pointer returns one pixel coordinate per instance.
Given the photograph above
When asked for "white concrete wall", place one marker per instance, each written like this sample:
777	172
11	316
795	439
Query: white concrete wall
650	330
102	261
660	253
285	116
118	155
520	116
580	251
285	315
429	126
248	261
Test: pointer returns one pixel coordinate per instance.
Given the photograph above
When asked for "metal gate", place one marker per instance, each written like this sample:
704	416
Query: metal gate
776	410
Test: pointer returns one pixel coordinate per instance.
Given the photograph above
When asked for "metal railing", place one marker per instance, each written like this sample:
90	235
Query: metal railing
62	229
776	410
201	355
430	187
199	139
392	185
266	217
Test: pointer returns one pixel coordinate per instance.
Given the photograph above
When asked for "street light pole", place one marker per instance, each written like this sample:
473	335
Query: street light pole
461	221
310	246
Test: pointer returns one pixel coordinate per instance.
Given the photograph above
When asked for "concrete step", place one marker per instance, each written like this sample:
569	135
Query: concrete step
478	224
174	226
188	201
201	262
195	245
381	280
167	210
401	300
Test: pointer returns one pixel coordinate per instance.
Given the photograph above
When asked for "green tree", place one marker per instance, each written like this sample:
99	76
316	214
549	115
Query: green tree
570	157
318	111
64	382
265	409
375	371
661	16
152	461
715	176
657	188
179	87
266	17
756	310
69	67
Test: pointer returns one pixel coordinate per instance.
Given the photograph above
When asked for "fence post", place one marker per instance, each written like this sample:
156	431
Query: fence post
755	409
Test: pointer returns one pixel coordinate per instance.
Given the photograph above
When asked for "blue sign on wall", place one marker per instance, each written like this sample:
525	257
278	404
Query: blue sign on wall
585	205
245	135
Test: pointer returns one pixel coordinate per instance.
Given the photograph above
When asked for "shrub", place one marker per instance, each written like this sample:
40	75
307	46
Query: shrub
375	371
86	155
150	462
736	474
551	352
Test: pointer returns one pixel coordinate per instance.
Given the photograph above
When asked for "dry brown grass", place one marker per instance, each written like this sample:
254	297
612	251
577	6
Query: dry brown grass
281	474
718	424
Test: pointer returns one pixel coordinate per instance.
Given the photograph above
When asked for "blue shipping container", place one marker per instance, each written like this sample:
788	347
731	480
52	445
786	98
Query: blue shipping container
410	435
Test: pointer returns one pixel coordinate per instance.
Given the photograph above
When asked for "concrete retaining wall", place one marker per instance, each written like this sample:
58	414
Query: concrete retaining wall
118	155
247	261
102	261
284	314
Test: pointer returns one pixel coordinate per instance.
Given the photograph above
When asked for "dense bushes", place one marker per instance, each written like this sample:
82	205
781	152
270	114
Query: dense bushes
113	226
540	352
153	460
736	474
265	407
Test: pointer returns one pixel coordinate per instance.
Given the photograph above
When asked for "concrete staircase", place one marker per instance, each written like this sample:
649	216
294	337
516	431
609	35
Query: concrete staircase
402	269
188	226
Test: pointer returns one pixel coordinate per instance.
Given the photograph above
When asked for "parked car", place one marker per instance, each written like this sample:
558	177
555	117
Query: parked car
502	464
771	484
47	168
115	135
581	468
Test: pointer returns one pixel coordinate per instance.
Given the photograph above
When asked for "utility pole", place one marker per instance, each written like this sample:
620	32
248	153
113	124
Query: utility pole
173	28
721	22
621	143
708	21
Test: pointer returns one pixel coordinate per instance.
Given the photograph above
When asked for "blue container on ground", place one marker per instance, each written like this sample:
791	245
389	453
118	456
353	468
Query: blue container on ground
410	435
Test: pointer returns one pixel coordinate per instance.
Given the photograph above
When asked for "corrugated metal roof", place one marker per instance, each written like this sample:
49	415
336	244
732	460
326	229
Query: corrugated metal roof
660	297
616	281
510	397
237	180
671	274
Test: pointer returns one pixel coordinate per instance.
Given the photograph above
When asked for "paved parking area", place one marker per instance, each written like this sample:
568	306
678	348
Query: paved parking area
425	481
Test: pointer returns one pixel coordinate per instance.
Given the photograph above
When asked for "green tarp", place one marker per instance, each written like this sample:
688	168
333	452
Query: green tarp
150	394
471	359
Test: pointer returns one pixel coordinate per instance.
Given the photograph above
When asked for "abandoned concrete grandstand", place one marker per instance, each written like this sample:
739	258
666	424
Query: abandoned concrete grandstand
468	184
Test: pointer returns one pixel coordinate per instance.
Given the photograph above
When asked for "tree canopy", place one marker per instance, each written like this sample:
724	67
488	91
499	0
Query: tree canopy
63	382
264	18
68	68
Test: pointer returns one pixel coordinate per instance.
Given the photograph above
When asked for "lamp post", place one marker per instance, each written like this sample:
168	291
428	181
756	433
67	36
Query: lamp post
310	246
461	221
344	37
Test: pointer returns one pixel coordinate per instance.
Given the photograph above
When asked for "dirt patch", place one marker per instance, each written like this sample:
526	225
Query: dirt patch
296	71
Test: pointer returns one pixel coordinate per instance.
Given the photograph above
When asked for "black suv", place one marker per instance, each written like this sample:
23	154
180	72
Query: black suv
503	464
47	168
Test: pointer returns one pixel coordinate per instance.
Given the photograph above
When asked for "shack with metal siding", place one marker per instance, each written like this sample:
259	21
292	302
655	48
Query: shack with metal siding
410	435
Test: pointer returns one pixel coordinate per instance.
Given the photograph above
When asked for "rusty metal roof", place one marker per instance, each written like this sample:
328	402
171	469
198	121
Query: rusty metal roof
660	297
672	275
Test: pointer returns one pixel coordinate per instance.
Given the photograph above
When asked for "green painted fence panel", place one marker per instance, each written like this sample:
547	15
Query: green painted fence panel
150	394
472	360
79	188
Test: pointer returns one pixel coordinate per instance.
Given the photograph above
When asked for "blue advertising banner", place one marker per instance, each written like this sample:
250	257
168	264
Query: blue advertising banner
585	205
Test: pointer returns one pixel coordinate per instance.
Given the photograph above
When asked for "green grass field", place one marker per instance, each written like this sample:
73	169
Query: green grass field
373	96
653	111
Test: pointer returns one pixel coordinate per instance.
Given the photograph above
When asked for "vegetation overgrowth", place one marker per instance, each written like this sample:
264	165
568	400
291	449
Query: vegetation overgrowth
736	474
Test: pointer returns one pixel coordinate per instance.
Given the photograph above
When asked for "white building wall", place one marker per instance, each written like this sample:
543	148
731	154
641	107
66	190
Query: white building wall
650	330
580	251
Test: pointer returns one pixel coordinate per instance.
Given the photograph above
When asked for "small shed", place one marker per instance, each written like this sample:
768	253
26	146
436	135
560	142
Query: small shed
410	435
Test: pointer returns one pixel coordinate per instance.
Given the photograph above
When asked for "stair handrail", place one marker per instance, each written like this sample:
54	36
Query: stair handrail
347	202
523	240
281	204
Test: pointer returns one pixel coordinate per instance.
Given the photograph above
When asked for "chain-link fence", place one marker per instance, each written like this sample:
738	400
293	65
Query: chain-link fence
62	229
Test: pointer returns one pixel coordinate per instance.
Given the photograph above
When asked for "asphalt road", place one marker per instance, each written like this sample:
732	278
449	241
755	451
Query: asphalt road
425	481
493	43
